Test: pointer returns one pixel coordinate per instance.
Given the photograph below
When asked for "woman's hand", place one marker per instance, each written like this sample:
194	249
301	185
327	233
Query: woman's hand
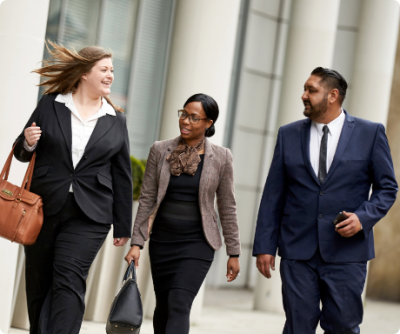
233	268
133	255
118	242
32	134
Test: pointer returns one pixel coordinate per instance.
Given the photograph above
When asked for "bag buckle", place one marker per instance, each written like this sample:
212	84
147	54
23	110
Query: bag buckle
7	192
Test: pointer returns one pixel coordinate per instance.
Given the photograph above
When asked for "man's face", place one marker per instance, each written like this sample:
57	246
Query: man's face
315	98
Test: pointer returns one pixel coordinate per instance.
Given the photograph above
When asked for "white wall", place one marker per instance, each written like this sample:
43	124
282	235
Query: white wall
374	60
311	44
346	42
201	59
22	32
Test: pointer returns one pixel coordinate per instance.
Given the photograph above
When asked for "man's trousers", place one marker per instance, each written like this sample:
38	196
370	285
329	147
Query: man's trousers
339	286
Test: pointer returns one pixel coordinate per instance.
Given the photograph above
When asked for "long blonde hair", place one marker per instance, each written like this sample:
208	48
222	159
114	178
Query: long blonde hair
66	67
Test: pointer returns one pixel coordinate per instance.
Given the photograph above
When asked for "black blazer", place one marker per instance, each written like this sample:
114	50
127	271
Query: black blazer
102	180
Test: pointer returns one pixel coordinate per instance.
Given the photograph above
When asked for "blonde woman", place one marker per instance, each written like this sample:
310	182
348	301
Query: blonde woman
83	174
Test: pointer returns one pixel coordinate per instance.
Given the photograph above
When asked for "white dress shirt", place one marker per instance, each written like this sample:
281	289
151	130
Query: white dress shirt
81	130
335	129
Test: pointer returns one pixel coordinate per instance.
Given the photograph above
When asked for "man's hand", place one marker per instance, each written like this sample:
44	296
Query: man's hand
351	225
264	263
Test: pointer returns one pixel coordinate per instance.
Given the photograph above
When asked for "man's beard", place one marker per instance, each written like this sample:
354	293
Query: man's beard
318	110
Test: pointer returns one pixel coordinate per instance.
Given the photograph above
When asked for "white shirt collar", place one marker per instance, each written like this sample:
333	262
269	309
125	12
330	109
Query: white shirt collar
106	108
334	126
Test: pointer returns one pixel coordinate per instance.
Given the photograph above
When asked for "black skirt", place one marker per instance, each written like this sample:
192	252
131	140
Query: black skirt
179	253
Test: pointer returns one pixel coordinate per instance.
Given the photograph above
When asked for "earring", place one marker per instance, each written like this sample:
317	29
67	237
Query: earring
207	129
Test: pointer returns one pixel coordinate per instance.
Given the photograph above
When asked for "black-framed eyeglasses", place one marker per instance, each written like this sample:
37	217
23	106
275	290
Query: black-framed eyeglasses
182	114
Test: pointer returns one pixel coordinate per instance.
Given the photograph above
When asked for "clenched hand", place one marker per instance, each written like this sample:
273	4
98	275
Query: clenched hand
352	225
32	134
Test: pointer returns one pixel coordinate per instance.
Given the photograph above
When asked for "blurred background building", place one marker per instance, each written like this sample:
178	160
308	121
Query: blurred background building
253	57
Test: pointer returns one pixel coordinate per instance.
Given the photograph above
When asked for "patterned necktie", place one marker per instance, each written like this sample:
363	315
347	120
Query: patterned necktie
323	154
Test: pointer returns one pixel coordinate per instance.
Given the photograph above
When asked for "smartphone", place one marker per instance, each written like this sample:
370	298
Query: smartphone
339	218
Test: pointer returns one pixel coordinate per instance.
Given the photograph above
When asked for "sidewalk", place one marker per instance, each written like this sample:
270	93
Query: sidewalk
230	312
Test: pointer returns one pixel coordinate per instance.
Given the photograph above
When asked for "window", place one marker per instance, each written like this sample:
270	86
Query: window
107	23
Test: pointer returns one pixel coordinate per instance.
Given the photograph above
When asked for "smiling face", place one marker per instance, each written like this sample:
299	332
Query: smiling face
98	81
191	132
315	98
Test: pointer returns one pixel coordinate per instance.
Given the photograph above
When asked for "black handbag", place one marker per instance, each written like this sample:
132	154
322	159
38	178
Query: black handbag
126	313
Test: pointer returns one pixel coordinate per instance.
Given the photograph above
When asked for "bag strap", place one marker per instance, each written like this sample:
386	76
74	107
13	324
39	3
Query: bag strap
7	165
26	182
131	270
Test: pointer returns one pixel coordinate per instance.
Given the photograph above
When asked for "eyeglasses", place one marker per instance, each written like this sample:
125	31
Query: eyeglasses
182	114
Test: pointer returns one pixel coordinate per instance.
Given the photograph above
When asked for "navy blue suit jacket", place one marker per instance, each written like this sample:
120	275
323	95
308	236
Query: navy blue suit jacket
296	212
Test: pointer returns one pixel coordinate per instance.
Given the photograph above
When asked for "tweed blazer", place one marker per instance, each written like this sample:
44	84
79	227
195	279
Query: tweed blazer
216	179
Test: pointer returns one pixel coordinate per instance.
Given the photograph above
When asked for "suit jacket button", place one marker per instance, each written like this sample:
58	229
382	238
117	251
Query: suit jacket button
85	156
320	215
71	175
321	193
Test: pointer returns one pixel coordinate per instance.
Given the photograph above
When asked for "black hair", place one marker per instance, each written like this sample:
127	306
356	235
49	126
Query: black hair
210	107
332	79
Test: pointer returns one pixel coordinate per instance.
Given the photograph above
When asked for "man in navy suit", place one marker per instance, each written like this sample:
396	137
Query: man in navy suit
324	165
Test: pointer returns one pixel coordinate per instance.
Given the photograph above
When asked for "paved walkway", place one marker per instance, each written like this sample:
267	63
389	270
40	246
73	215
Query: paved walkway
230	312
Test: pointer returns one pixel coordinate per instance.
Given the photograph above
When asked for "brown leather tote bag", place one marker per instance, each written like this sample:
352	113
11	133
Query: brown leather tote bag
21	212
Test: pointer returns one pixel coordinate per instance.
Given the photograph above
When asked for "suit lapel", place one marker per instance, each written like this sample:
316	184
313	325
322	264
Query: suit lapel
165	174
64	120
305	147
347	130
103	125
207	167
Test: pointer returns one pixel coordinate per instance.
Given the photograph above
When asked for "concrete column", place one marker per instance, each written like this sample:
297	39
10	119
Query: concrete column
375	55
384	274
268	294
311	43
201	59
22	33
202	55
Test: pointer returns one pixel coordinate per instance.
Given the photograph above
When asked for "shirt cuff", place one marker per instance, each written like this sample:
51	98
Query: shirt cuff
29	148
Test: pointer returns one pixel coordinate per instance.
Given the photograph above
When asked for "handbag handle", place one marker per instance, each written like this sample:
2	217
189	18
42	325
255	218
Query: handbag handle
26	182
7	165
131	270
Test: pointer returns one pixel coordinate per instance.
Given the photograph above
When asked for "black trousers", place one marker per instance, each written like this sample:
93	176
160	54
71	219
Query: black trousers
57	266
338	286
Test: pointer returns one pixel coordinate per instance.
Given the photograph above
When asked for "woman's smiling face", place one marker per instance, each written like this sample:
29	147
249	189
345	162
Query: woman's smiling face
194	132
99	80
